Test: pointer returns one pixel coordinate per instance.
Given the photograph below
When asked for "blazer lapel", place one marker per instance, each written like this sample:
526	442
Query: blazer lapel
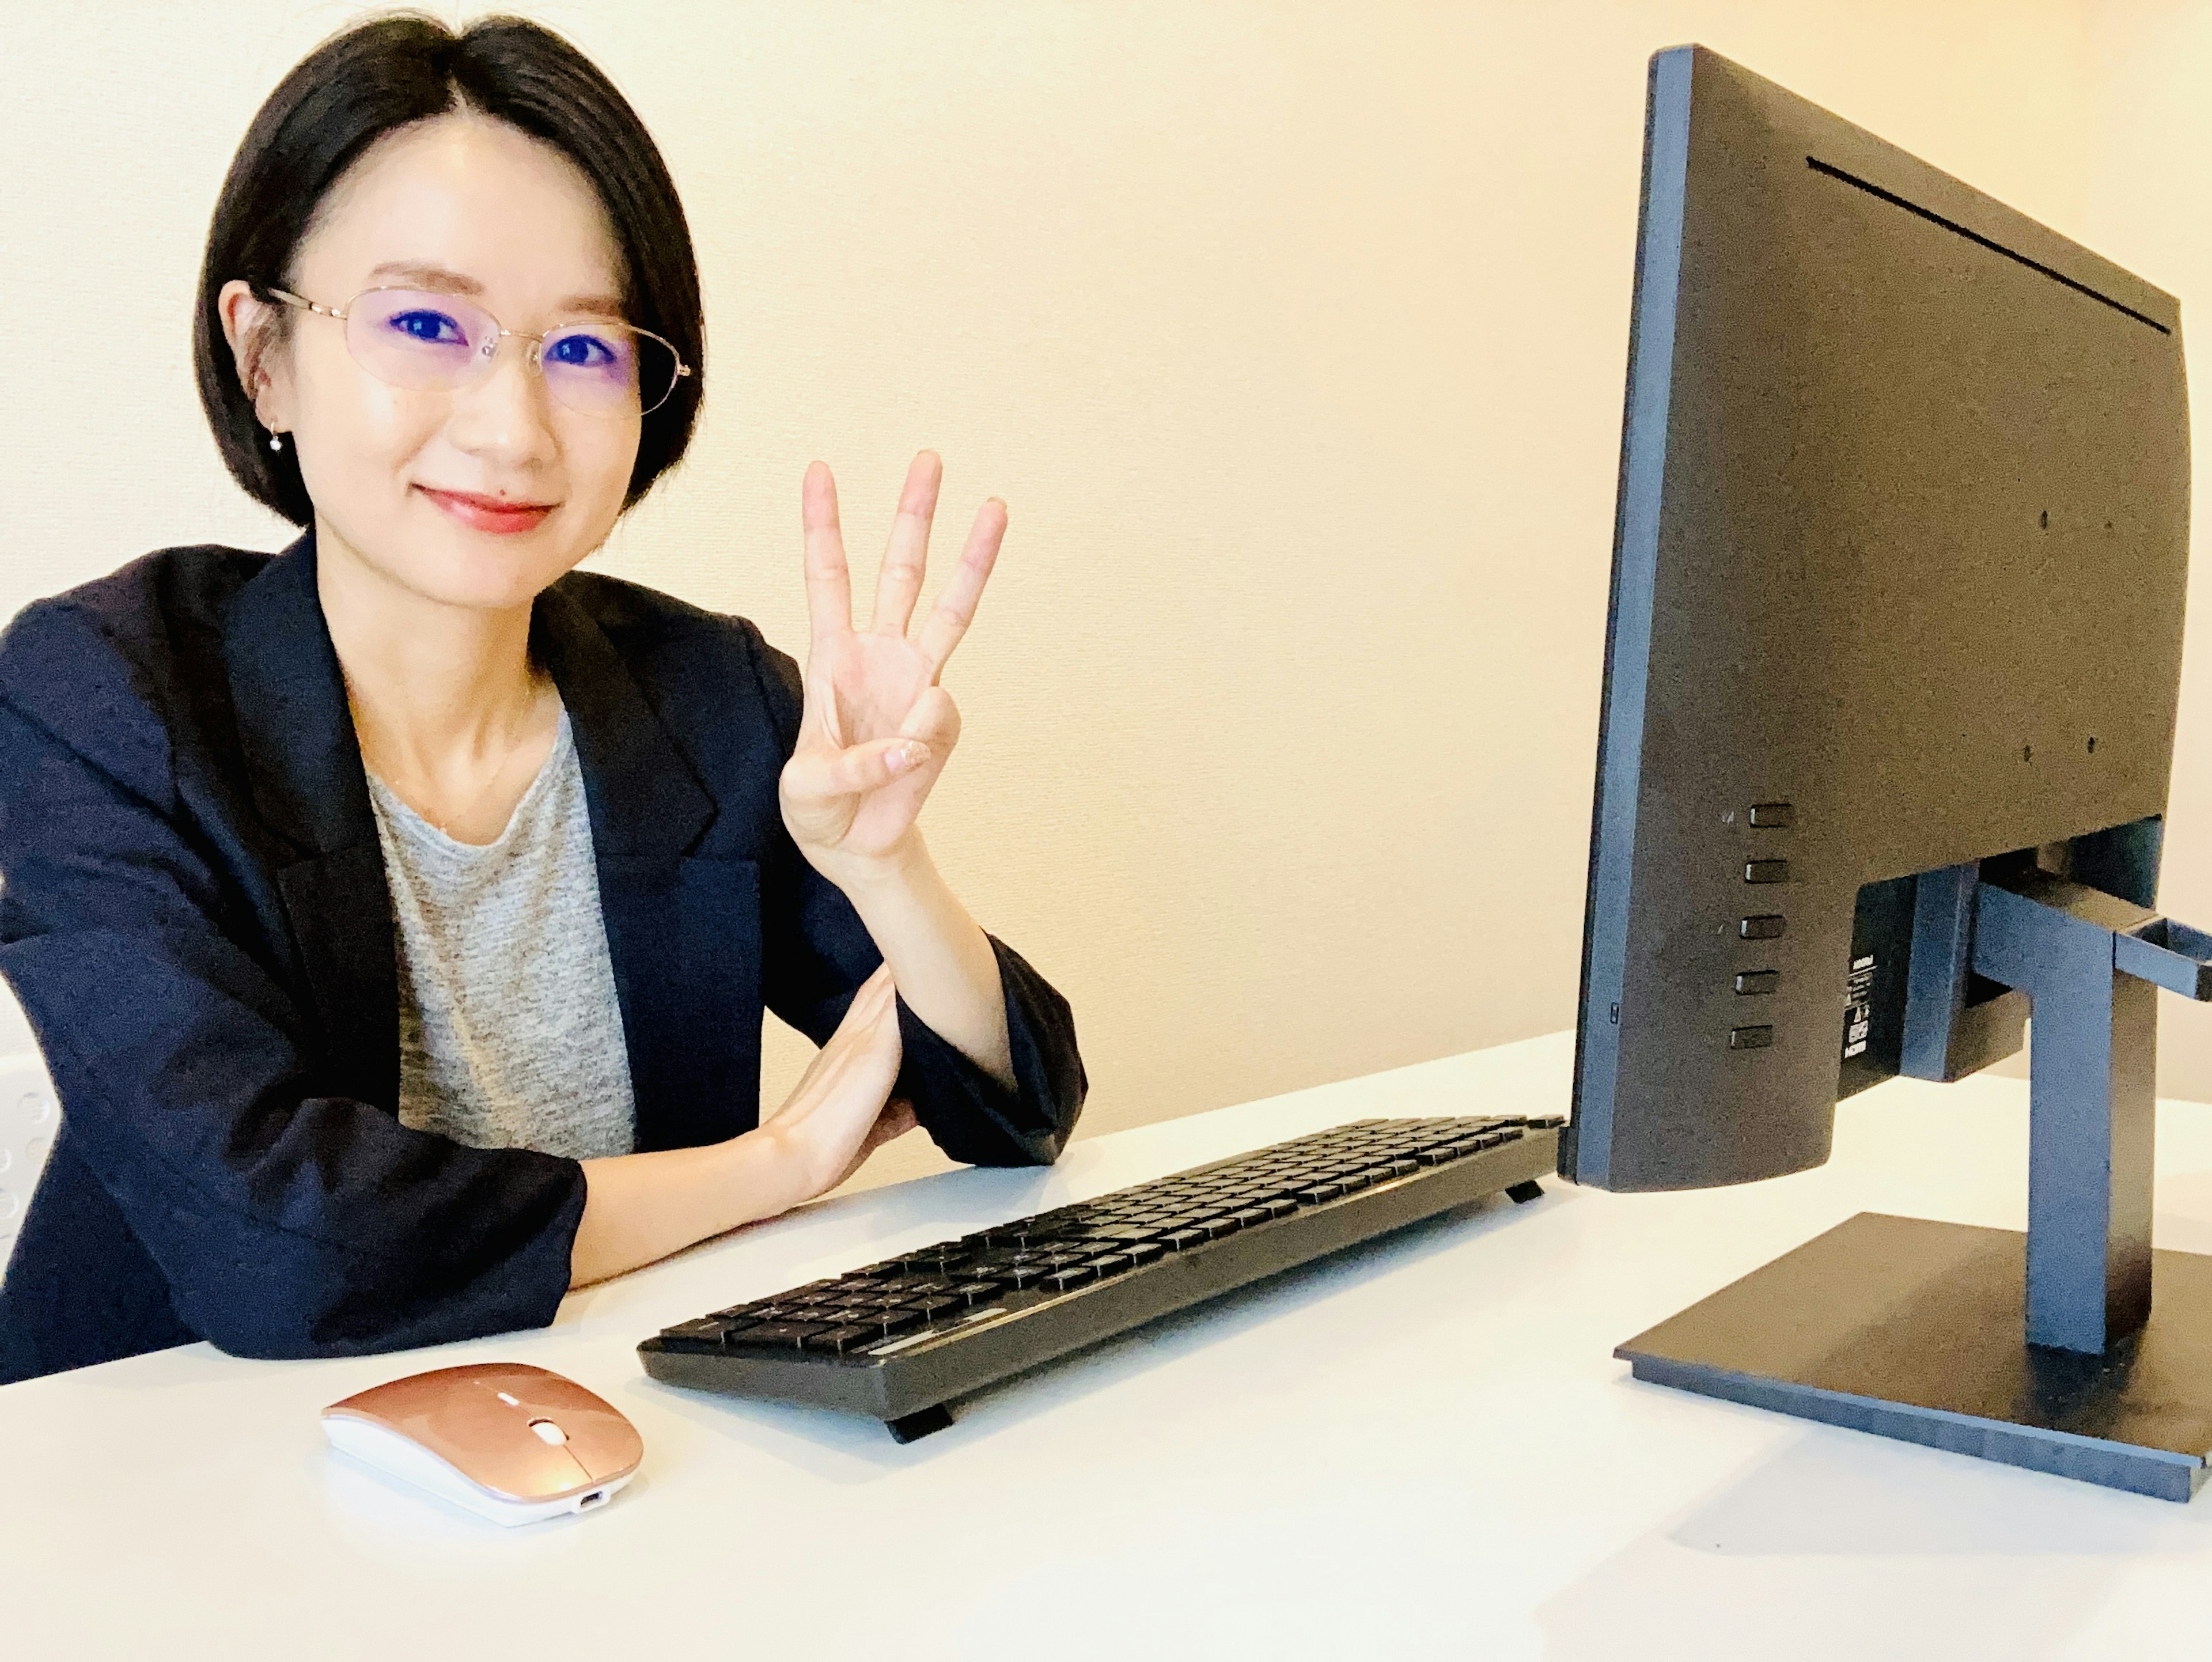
304	763
682	927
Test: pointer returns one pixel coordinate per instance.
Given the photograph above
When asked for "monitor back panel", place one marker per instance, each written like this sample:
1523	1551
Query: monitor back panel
1901	544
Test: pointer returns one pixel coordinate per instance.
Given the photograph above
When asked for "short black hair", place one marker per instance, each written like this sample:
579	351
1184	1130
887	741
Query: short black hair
382	75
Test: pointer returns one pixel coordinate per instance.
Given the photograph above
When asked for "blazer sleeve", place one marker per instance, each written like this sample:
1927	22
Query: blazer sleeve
286	1222
816	952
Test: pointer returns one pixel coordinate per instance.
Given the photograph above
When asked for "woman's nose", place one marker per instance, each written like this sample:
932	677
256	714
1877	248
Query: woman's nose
505	413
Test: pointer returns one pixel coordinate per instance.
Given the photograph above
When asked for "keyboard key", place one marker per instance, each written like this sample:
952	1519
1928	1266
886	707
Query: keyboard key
975	1293
1073	1275
1110	1264
1143	1252
1318	1193
779	1336
836	1341
707	1329
914	1264
1177	1240
1252	1215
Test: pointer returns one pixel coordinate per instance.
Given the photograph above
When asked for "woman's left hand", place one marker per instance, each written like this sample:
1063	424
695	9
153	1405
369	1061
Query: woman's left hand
877	727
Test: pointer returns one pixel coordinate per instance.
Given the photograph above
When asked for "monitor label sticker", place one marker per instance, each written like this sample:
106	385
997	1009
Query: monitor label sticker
1858	1000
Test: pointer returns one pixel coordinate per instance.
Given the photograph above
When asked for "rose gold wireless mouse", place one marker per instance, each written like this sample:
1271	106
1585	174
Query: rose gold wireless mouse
510	1442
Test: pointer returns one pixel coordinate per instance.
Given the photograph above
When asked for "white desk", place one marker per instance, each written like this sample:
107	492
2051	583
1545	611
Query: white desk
1424	1450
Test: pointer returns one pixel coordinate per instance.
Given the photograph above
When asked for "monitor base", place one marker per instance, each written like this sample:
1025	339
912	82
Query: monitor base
1911	1329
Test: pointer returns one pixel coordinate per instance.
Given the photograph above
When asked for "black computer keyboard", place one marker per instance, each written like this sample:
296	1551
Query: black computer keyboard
900	1339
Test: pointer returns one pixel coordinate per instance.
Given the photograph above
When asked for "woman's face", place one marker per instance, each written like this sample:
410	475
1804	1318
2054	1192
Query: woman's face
482	496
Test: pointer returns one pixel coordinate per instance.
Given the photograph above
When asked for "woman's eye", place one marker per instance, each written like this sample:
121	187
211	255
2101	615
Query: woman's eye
433	327
584	351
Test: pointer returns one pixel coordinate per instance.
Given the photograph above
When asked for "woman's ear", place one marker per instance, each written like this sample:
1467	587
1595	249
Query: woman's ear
251	324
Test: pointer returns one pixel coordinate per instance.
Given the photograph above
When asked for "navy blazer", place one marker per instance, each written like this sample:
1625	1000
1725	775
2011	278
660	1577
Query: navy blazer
194	915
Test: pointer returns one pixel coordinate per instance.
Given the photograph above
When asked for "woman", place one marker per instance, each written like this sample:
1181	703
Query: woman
397	913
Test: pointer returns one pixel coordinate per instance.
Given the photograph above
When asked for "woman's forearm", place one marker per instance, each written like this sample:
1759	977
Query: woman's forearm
638	1207
939	955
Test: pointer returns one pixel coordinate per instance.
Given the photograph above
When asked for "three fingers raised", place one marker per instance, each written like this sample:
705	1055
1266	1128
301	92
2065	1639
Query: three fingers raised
906	562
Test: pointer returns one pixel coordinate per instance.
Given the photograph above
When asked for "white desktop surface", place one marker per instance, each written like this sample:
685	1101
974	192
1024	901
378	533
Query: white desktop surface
1424	1449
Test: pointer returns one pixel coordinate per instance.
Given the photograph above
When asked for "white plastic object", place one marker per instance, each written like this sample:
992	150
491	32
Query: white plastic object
402	1457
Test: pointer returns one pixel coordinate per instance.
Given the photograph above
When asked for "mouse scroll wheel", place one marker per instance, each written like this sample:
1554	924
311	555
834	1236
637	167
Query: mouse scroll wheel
549	1433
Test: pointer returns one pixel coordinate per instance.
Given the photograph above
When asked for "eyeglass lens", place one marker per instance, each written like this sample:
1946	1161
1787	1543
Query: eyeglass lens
414	338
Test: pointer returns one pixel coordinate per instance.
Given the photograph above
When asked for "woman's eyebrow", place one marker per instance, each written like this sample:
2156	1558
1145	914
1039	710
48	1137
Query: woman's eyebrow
447	281
427	276
598	305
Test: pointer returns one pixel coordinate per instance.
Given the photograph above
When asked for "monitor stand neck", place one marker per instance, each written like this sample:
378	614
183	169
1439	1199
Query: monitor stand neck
2091	965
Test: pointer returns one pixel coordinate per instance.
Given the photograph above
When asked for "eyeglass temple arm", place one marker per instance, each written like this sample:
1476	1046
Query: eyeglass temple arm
304	304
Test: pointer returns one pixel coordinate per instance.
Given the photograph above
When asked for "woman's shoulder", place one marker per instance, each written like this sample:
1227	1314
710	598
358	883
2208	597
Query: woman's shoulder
83	663
674	643
631	611
147	599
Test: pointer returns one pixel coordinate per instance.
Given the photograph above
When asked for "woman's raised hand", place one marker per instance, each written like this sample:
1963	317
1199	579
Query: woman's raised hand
877	727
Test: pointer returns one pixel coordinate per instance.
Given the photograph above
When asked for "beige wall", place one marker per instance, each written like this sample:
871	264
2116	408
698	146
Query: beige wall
1294	336
2149	205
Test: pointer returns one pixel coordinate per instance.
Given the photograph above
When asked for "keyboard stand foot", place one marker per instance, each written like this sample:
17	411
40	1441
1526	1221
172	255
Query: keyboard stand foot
919	1423
1522	1193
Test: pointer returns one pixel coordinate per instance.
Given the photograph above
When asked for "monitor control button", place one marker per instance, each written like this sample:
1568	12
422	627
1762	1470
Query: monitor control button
1772	816
1766	871
1750	1038
1761	929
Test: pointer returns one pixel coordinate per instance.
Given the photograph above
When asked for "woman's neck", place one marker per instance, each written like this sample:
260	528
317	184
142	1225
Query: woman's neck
447	706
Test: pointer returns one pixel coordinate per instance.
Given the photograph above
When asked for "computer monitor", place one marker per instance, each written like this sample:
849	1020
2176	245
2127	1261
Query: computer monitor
1890	685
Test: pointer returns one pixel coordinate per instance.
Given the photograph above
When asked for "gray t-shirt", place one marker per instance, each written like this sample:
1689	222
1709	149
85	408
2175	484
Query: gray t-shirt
510	1036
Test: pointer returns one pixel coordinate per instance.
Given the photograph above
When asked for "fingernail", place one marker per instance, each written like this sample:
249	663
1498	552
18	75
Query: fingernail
911	754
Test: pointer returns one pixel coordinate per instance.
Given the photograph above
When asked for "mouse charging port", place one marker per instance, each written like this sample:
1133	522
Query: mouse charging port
597	1497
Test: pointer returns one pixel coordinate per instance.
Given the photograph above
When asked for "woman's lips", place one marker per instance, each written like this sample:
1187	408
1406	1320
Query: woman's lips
489	513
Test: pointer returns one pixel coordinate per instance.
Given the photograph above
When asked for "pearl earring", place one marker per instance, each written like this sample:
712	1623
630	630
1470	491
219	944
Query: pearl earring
275	443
